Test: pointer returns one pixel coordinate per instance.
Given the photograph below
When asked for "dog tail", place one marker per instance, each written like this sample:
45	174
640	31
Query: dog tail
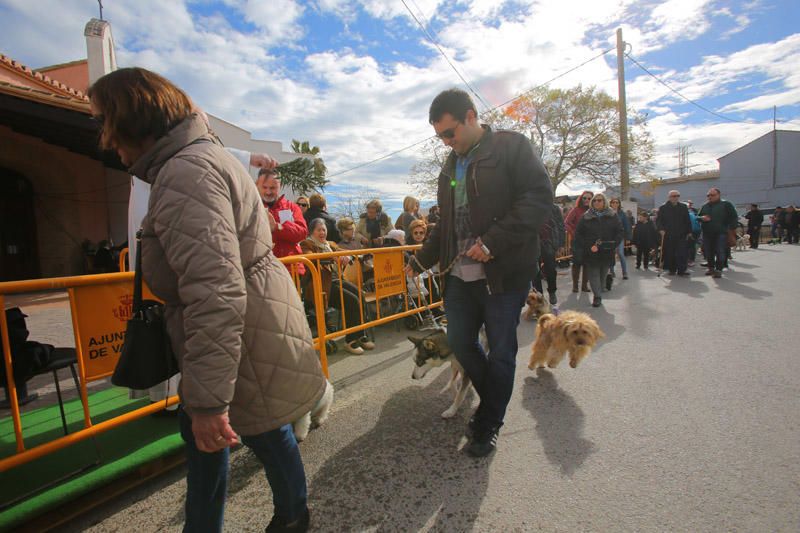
544	319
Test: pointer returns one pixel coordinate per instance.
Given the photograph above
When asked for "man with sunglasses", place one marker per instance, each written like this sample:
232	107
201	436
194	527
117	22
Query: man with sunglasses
675	227
494	194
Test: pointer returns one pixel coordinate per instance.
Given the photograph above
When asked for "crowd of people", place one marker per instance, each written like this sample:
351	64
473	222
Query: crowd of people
210	243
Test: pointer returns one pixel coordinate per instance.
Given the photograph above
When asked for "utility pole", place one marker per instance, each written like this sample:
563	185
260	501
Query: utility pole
624	178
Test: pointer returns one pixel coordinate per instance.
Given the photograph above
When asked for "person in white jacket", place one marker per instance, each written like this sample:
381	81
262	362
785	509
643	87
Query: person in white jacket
137	209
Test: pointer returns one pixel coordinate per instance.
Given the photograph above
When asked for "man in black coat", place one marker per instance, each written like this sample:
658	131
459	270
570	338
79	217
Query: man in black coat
754	220
675	227
494	194
318	208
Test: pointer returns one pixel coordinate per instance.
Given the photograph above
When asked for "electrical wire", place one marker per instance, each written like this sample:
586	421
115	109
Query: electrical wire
436	44
665	84
551	80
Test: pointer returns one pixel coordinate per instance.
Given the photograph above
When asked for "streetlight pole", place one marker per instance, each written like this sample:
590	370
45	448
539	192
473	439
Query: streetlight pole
624	178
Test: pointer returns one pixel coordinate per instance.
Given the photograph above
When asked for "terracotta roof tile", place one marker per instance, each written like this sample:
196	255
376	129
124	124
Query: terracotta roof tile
38	95
42	79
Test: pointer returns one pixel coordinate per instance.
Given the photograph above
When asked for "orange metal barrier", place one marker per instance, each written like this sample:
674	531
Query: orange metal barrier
123	256
95	291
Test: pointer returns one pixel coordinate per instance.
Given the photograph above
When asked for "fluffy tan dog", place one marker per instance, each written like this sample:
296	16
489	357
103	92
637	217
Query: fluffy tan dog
570	331
537	305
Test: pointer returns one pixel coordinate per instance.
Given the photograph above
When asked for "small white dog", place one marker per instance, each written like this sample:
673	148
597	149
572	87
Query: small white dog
742	242
316	417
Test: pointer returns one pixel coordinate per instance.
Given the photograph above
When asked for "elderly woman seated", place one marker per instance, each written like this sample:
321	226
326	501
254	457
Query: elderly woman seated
341	294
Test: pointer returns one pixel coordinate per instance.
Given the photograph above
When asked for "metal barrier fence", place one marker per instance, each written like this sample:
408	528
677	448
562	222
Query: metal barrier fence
88	296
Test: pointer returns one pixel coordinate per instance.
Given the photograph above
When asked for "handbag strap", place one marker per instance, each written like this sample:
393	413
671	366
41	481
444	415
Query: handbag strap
137	277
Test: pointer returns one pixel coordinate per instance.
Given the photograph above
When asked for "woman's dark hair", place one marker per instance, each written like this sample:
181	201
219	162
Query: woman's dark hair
314	223
453	101
136	104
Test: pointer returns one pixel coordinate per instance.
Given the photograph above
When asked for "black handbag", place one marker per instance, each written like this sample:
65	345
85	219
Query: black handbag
146	358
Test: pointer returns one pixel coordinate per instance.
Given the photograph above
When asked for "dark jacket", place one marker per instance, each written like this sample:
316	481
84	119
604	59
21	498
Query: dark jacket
552	231
626	224
645	235
791	220
674	219
509	195
330	222
593	228
723	216
754	220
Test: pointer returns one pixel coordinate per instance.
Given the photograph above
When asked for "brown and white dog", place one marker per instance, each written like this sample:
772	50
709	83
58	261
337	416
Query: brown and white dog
538	305
434	351
570	331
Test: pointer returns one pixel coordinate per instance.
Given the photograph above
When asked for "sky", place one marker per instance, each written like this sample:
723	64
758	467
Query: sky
356	77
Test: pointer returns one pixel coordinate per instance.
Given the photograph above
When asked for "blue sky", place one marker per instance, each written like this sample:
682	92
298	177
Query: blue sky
356	77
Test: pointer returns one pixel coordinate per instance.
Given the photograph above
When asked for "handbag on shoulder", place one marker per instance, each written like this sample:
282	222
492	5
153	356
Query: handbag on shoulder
146	358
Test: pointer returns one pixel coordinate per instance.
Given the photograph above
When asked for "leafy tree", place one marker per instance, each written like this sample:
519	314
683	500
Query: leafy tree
304	174
575	132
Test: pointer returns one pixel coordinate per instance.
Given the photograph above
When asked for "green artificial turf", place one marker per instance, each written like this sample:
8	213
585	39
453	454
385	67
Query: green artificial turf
73	471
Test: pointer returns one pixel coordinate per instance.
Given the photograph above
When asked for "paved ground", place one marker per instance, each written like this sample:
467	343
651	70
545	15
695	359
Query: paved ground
686	418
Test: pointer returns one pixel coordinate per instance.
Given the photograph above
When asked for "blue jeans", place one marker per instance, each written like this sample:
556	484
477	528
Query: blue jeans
715	246
470	306
207	479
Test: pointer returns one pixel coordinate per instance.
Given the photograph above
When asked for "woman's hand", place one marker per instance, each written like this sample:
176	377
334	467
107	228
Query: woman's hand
213	432
594	248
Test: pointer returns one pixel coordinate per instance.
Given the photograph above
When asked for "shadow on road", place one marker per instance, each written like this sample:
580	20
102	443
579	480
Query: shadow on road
405	474
559	421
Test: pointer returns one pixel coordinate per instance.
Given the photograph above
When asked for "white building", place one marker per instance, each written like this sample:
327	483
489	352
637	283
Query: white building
765	171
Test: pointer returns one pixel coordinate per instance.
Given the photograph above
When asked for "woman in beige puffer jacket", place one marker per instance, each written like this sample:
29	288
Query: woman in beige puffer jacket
235	320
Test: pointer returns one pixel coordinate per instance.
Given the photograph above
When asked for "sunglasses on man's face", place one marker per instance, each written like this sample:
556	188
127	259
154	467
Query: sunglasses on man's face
449	133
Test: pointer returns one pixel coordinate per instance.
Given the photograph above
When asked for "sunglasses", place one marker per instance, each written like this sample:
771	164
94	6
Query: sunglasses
674	195
586	197
449	133
302	205
597	200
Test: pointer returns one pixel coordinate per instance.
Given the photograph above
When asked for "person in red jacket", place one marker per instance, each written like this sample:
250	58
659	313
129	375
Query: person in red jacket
285	217
570	224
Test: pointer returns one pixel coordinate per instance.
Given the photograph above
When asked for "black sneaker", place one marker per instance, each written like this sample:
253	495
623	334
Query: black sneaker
609	281
552	297
483	443
278	524
597	301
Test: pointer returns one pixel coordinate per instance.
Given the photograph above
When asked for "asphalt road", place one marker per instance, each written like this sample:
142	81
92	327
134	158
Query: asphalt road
685	418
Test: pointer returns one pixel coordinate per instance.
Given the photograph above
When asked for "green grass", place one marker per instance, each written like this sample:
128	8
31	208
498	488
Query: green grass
32	489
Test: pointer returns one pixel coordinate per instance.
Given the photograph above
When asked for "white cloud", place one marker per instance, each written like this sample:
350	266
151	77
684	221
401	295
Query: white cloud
357	108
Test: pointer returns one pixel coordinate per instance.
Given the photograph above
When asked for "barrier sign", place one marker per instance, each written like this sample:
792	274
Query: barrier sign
389	277
102	314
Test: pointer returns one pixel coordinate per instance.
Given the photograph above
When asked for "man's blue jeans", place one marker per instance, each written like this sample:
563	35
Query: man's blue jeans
716	249
469	306
207	479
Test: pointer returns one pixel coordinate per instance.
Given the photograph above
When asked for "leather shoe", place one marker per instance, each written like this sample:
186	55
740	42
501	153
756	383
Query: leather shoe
597	301
353	348
278	524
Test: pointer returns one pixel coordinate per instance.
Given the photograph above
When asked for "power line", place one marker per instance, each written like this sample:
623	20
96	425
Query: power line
551	80
436	44
665	84
360	165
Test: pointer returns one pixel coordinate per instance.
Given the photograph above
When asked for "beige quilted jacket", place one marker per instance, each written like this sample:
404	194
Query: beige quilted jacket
233	315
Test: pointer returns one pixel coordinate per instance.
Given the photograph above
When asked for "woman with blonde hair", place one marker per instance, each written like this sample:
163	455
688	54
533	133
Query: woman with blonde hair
232	312
409	214
598	234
